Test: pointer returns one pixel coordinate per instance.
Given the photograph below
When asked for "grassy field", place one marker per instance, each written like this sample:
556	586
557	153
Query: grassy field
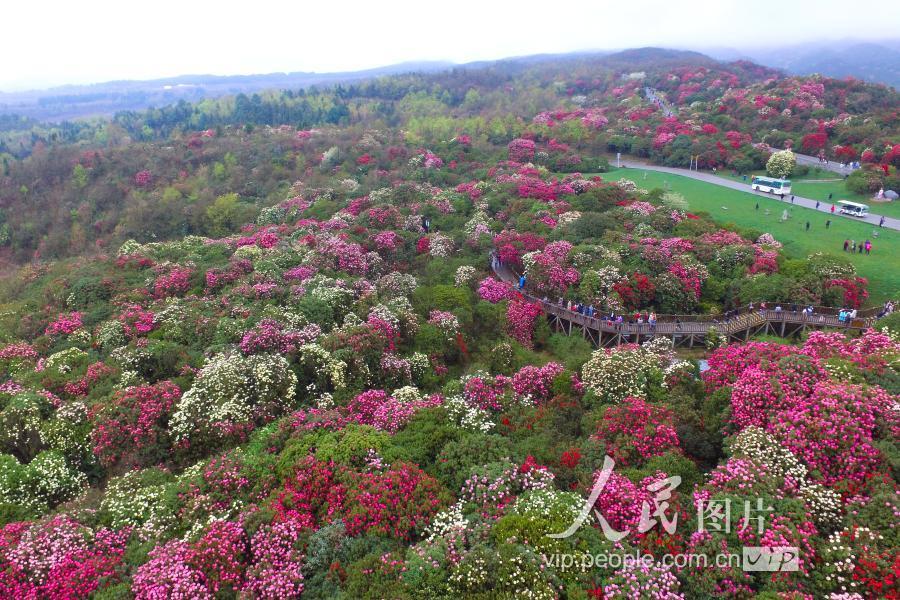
881	268
818	184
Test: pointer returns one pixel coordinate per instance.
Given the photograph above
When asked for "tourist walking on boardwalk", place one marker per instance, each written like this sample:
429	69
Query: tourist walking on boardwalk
880	222
832	209
817	205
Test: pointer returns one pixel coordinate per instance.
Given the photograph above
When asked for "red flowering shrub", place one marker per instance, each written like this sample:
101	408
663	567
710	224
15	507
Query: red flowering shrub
135	424
855	292
142	178
636	430
398	502
635	291
313	496
813	142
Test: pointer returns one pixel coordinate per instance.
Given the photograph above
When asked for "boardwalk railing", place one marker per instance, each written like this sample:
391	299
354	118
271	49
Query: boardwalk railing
690	330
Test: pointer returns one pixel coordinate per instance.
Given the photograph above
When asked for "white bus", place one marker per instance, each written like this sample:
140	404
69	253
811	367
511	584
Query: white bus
853	209
770	185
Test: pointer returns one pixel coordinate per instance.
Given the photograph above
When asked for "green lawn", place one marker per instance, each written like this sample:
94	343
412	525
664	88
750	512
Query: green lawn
818	184
881	268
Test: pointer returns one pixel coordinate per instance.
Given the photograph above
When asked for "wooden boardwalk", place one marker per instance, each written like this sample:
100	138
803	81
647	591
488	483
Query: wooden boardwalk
690	330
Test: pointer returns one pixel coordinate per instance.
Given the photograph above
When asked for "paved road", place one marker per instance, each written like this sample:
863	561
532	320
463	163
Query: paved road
889	223
813	161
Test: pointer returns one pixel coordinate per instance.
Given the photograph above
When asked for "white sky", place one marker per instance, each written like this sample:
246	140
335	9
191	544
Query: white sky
64	41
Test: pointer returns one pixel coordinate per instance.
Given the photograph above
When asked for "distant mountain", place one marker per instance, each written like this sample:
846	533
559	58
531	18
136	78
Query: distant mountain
878	62
104	99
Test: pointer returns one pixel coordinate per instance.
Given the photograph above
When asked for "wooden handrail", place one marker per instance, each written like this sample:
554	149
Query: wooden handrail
737	320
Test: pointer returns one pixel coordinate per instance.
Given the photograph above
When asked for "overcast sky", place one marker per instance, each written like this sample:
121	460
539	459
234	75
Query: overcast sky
54	43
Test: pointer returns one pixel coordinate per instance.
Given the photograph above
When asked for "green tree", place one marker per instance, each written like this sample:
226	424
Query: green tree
79	176
224	214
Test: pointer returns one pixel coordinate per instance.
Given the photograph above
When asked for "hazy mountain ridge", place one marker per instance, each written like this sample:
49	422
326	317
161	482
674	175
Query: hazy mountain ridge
877	62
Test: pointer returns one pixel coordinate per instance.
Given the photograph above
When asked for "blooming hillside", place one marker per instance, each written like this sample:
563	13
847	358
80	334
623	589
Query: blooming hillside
338	398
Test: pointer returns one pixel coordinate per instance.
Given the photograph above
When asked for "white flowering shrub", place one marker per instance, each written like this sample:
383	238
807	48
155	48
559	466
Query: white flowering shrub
65	360
446	522
781	164
616	375
396	284
407	394
464	275
111	334
467	417
441	246
251	253
232	392
41	484
271	215
320	370
762	448
135	500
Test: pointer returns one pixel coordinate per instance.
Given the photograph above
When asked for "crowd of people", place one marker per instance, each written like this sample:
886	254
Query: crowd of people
611	319
852	246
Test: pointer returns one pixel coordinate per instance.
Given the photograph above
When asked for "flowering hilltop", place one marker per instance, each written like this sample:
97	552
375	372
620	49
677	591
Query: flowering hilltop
341	387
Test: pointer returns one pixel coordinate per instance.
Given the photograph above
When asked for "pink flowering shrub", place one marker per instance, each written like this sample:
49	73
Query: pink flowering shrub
134	424
549	270
636	430
485	392
521	150
271	336
64	324
728	363
494	290
168	574
276	558
396	502
387	241
18	351
511	245
142	178
137	321
174	283
92	375
621	501
762	391
521	317
343	255
871	351
386	413
534	383
59	558
299	273
833	431
312	496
